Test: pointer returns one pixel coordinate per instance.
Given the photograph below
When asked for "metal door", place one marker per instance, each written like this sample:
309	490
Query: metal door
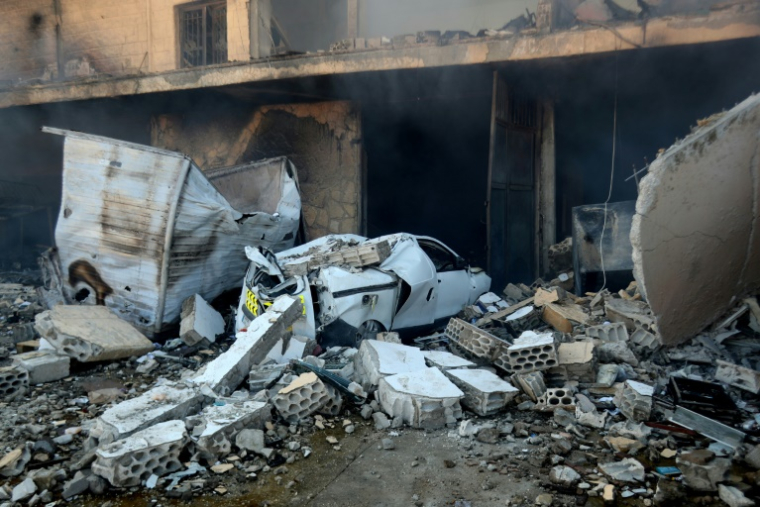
511	200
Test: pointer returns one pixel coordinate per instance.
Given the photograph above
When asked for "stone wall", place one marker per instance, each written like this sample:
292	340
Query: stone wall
322	139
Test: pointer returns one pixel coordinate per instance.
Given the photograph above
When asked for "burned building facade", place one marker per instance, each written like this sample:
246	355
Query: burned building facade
480	123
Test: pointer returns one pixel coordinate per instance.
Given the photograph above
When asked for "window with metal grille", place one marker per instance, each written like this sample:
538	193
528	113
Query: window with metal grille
203	33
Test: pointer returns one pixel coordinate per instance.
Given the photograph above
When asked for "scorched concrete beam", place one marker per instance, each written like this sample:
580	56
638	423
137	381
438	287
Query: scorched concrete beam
723	25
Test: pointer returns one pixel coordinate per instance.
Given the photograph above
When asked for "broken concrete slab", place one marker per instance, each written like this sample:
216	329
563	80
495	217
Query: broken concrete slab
14	382
304	396
199	321
696	226
446	360
225	373
376	360
43	366
738	376
154	451
423	399
531	384
215	428
532	351
90	333
159	404
484	392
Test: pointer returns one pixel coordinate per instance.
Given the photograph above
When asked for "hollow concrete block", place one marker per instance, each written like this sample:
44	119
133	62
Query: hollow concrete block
14	382
215	428
377	359
484	392
43	366
154	451
199	321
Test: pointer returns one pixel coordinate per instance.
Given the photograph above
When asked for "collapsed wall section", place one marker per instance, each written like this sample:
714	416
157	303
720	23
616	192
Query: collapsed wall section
696	244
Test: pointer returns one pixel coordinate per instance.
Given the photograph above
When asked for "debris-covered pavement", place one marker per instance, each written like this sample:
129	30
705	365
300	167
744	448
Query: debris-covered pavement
571	396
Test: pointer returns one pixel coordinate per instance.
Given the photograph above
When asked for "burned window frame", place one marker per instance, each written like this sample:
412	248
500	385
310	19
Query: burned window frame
210	27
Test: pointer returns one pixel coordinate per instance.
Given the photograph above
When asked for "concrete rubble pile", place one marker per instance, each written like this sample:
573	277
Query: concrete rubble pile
577	389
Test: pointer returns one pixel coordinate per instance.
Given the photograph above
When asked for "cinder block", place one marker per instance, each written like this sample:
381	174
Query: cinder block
475	341
90	333
334	402
14	382
531	384
43	366
556	398
635	400
154	451
162	403
446	360
215	427
304	396
225	373
484	392
422	399
615	332
199	321
738	376
644	340
532	352
379	359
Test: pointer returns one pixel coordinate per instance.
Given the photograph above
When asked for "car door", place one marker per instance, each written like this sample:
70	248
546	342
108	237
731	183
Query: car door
419	285
453	279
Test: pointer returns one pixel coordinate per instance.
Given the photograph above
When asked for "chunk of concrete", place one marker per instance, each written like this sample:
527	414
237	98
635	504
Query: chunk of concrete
738	376
43	366
14	382
263	376
733	496
162	403
555	398
215	428
90	333
703	477
252	440
531	384
614	332
225	373
696	224
132	460
376	360
626	470
484	392
304	396
423	399
577	361
199	321
532	352
564	476
635	400
446	360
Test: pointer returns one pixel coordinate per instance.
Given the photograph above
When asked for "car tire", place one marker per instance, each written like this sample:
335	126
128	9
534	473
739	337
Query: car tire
368	331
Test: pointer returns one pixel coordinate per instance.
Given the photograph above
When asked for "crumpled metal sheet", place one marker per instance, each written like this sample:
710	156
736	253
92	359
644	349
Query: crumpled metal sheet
141	228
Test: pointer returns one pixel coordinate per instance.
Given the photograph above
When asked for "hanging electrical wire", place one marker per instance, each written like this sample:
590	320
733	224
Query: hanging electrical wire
612	176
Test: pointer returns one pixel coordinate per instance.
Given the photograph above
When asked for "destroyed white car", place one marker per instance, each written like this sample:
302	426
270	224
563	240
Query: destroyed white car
352	287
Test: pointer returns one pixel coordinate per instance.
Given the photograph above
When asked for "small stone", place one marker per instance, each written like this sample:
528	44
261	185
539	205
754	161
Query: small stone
222	468
733	496
349	429
366	412
449	463
332	440
63	439
23	490
388	444
381	421
544	499
564	476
